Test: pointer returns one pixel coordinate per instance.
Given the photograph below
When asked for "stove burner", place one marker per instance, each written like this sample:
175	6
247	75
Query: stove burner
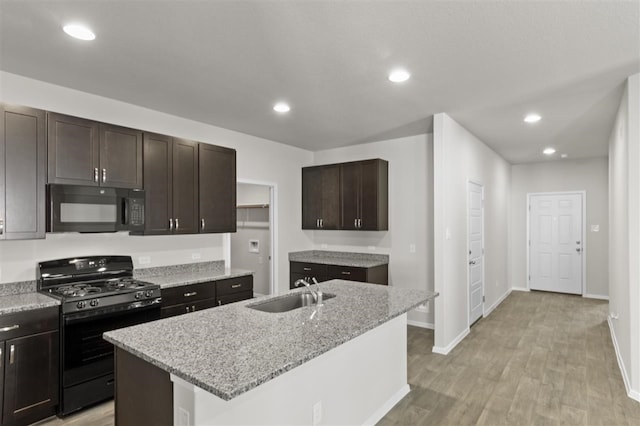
78	290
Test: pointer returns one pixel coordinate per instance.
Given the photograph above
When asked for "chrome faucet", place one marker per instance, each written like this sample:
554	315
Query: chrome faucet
317	295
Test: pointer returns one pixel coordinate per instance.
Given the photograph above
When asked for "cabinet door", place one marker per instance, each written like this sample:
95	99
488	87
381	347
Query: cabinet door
374	204
351	191
217	168
73	147
185	186
22	173
321	197
31	377
157	154
120	157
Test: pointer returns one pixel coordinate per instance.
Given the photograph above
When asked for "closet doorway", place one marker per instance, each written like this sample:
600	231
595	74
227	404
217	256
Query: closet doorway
251	246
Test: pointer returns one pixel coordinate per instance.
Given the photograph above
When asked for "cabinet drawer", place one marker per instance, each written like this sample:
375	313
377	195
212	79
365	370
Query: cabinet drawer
188	293
29	322
308	268
234	285
347	273
235	297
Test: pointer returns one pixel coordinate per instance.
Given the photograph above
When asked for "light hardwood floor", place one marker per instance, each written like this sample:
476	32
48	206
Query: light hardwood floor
538	359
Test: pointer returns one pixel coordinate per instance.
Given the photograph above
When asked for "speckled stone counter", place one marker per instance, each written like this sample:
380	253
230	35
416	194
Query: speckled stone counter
25	302
192	273
340	258
232	349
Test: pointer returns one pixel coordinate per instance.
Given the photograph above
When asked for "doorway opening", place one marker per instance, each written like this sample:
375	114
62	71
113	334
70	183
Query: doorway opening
556	244
252	246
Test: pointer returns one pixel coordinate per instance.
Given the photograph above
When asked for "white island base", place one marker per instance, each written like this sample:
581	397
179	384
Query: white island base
355	383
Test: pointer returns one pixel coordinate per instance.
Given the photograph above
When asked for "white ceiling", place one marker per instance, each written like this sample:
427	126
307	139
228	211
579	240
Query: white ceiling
486	63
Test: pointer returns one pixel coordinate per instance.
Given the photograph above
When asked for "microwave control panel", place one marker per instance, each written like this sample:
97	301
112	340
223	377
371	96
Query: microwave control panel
136	212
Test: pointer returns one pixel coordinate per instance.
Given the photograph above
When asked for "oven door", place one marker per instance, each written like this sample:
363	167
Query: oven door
75	208
85	354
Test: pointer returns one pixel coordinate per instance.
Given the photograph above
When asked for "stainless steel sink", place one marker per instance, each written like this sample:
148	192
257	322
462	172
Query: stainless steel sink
288	303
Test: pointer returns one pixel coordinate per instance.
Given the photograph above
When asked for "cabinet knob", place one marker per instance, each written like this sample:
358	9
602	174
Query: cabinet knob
219	302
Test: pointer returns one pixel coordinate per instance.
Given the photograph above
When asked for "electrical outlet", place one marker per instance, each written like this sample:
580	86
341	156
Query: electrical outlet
144	260
195	256
317	413
423	308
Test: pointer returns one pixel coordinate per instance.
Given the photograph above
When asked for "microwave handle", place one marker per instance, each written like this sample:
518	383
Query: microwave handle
125	211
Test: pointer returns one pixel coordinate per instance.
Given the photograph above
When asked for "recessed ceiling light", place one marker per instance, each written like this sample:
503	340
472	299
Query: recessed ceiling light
532	118
398	76
281	107
549	151
564	156
79	31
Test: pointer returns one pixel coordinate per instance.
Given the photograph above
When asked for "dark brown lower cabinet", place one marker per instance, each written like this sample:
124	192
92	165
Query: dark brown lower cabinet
144	392
323	272
30	357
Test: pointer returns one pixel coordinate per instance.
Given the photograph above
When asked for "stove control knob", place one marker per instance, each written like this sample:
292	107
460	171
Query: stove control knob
148	293
94	302
81	304
139	294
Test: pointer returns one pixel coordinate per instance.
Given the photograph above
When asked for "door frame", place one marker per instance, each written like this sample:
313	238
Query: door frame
273	232
475	182
583	234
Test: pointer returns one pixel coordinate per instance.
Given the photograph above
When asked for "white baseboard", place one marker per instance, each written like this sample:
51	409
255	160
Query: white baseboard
519	289
596	296
387	406
495	305
631	393
421	324
453	344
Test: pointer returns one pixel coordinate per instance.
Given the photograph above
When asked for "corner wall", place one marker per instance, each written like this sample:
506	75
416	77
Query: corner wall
257	159
409	240
590	175
624	237
459	157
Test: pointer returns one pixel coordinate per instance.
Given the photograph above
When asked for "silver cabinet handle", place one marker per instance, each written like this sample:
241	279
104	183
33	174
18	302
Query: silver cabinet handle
12	352
236	285
187	309
104	175
317	223
346	273
1	226
9	328
95	174
202	223
219	302
170	224
321	223
360	223
355	223
177	224
306	269
193	293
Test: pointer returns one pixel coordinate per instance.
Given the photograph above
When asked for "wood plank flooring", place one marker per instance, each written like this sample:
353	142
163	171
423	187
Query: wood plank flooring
538	359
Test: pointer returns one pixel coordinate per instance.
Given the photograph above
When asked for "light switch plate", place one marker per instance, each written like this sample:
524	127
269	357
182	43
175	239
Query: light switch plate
595	228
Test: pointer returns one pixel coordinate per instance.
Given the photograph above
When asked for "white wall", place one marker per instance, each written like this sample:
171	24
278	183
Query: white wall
590	175
624	240
257	159
410	213
459	157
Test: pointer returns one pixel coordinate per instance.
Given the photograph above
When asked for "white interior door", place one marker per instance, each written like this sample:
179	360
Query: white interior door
556	246
476	252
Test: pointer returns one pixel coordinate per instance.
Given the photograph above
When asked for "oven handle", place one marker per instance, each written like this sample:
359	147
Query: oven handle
110	311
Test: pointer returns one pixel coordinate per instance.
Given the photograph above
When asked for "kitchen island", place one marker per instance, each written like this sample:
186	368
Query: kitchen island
343	362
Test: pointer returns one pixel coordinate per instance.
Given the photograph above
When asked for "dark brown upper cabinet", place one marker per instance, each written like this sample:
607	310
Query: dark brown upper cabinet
346	196
321	197
171	185
85	152
365	195
22	172
217	177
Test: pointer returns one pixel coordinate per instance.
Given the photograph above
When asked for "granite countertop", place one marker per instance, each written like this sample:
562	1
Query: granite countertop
25	302
232	349
194	273
340	258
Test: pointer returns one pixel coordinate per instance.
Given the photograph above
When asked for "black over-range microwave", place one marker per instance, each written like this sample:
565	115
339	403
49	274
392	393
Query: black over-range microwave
76	208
